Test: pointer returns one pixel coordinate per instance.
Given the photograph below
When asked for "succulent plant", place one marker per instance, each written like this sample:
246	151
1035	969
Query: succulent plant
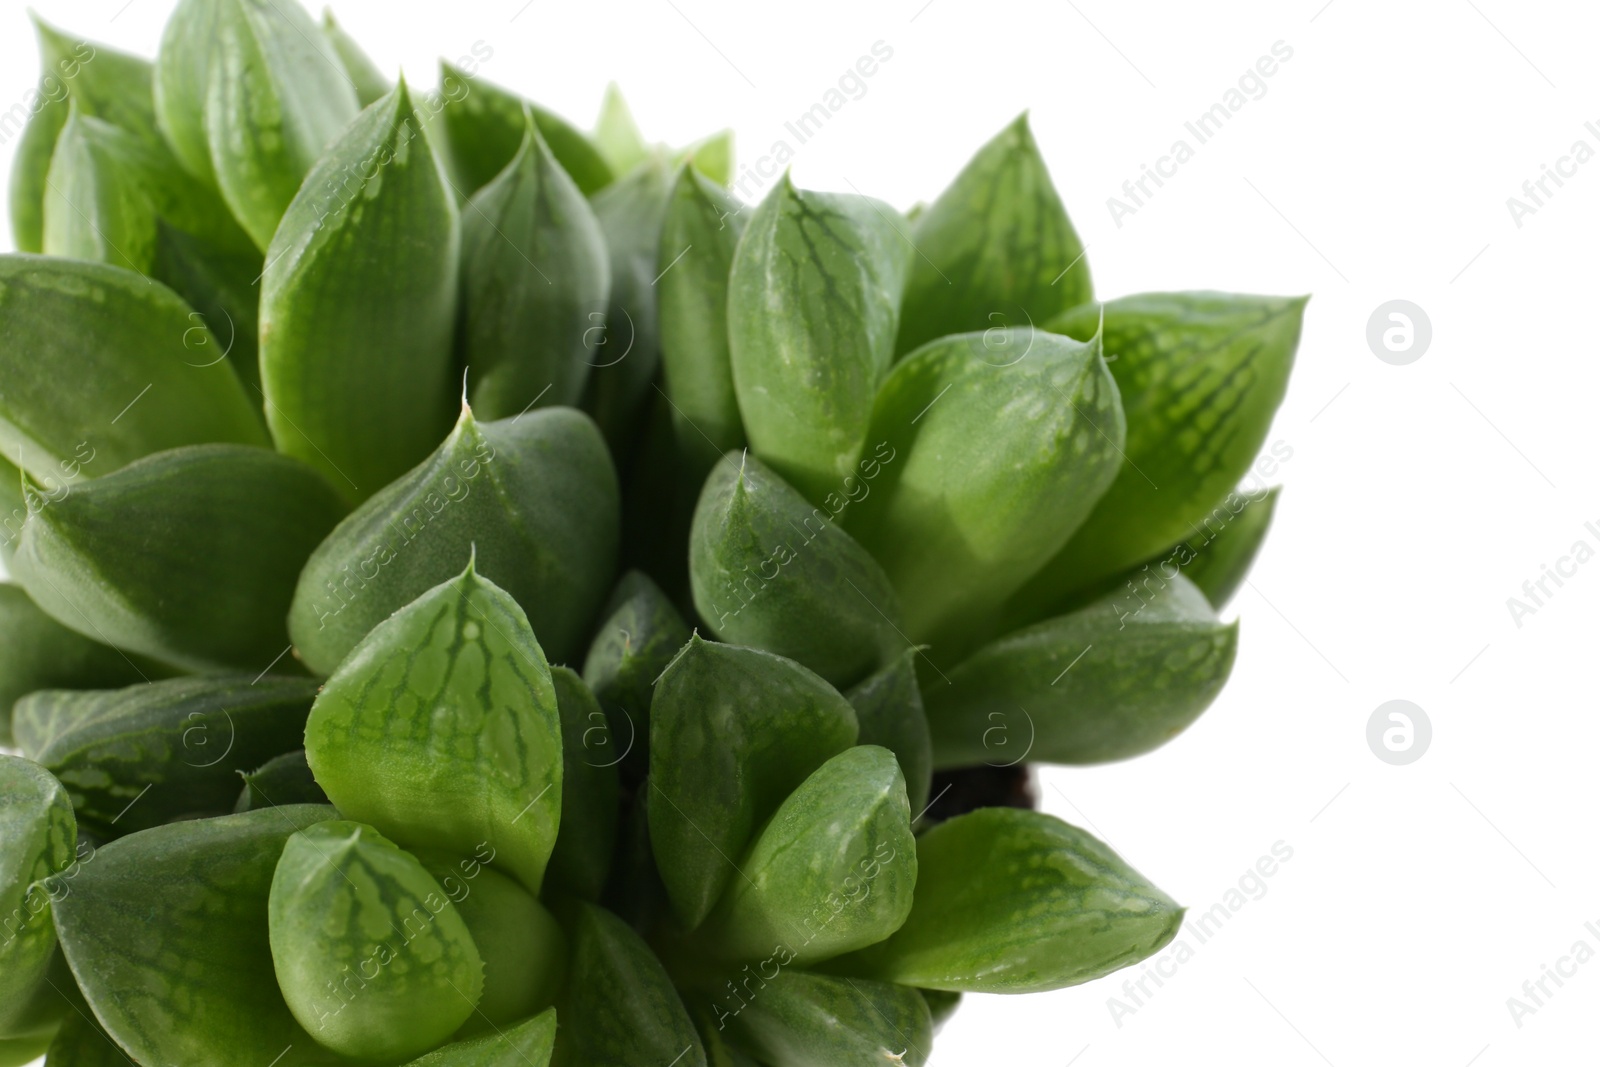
487	595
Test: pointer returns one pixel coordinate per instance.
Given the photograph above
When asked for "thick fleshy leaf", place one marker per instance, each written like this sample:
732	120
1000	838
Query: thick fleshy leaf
641	633
832	871
996	248
698	237
1110	681
141	373
151	753
358	305
483	128
219	283
285	779
733	731
617	135
812	303
998	444
527	1044
1201	375
720	1050
1014	901
441	729
81	1042
590	794
712	156
36	652
249	94
369	82
889	711
620	1009
204	886
187	556
38	840
1221	552
345	900
814	1020
942	1004
772	571
533	497
534	284
31	165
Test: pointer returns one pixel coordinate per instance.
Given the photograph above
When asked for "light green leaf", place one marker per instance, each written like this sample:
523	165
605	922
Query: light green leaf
38	840
36	652
358	305
813	1020
345	900
187	556
1110	681
733	731
1200	375
534	497
250	93
534	285
812	303
142	371
204	886
698	236
832	871
1222	551
483	129
994	447
996	248
590	794
1014	901
641	633
527	1044
151	753
889	710
31	165
441	729
620	1008
771	571
617	135
284	779
712	156
369	82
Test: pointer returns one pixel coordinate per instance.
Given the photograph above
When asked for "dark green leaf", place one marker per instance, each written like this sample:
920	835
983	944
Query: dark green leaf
720	1051
187	556
219	283
733	731
358	305
1226	545
343	900
635	892
812	303
889	710
1014	901
534	284
590	801
771	571
441	729
81	346
534	497
81	1042
36	652
151	753
204	886
526	1044
285	779
813	1020
942	1004
617	135
996	248
369	82
38	839
483	127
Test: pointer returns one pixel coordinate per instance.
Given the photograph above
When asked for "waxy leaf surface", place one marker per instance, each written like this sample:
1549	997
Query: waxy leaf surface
814	1020
527	1044
285	779
483	129
890	713
589	790
36	652
1218	557
38	841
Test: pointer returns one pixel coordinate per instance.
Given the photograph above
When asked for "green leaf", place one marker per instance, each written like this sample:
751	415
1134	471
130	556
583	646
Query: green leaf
29	168
344	899
1220	554
187	556
617	135
720	1051
38	840
358	305
13	510
590	794
483	129
1200	375
441	729
771	571
151	753
219	283
620	1008
832	871
733	731
712	156
1014	901
284	779
889	710
1110	681
813	1020
81	1043
36	652
812	303
250	93
994	447
116	337
942	1004
996	248
534	283
534	496
369	82
698	236
527	1044
204	886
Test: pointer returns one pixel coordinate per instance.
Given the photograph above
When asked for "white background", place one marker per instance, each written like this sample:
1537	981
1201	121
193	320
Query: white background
1419	498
